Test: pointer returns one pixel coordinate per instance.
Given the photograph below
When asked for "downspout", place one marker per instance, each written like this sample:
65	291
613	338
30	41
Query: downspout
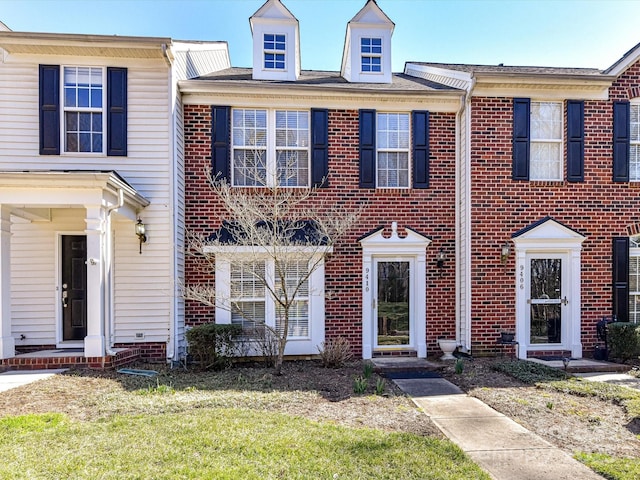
466	221
172	348
110	323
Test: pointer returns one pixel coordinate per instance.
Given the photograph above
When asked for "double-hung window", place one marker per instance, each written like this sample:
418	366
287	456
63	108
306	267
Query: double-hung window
274	51
392	140
250	304
634	140
270	147
371	55
82	110
83	116
634	280
546	141
248	294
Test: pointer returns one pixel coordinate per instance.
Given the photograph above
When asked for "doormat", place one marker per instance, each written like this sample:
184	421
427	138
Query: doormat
557	358
409	374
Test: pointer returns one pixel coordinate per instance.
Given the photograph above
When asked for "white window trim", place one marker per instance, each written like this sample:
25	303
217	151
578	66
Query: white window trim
295	345
634	252
634	103
548	141
284	52
63	110
371	55
393	150
271	149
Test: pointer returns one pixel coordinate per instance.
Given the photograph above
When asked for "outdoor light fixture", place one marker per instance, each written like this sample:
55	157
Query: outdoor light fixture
140	232
504	253
440	258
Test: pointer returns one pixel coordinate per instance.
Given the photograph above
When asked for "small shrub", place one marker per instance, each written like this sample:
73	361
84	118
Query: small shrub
529	372
335	352
367	370
213	345
381	385
266	341
360	385
624	340
459	366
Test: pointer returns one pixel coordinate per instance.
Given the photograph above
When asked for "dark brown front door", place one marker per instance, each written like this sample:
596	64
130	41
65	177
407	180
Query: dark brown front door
74	287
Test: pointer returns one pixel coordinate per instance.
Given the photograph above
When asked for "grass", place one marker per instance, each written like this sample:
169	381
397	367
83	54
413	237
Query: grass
219	443
613	468
240	423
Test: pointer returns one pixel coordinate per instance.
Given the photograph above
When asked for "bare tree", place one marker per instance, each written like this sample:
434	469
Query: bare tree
293	228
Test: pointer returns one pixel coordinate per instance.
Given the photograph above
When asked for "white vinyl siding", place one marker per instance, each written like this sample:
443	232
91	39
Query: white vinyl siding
144	283
546	141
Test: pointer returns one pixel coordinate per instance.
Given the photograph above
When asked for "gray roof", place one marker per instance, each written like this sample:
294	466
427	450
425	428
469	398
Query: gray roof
506	69
329	80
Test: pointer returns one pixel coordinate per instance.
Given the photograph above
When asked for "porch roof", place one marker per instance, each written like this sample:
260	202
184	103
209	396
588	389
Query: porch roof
69	188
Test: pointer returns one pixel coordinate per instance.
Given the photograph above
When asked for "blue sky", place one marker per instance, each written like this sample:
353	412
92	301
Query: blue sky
570	33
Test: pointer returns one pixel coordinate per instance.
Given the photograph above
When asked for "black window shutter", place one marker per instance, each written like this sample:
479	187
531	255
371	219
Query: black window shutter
367	148
621	141
49	109
575	141
220	141
117	112
521	138
621	278
320	147
420	128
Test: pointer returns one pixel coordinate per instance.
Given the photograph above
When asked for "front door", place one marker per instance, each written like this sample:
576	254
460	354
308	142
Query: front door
74	287
392	307
547	315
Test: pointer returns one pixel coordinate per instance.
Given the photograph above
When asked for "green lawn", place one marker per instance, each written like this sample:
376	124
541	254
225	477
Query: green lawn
176	431
218	443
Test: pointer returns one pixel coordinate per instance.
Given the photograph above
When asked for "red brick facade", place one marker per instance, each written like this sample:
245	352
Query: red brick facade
430	212
597	208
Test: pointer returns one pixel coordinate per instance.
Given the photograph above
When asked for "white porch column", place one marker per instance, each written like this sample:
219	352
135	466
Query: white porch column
7	342
94	342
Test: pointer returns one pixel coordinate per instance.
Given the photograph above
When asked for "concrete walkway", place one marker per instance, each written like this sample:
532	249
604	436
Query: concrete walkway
17	378
503	448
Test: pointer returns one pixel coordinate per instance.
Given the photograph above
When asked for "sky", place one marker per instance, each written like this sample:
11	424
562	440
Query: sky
561	33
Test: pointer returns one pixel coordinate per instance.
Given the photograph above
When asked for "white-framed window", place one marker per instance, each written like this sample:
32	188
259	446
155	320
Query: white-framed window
83	109
270	147
250	303
634	153
634	280
274	45
546	141
392	144
371	55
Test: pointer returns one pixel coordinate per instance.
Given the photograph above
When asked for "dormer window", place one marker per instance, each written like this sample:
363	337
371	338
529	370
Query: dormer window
371	55
274	51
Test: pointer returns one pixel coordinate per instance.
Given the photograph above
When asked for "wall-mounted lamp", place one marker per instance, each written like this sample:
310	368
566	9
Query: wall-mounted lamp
504	253
141	233
440	258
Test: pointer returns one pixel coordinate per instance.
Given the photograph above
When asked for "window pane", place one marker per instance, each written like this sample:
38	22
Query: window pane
249	168
71	144
546	161
85	142
546	120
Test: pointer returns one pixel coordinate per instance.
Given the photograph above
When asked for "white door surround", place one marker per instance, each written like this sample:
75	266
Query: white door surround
412	248
549	239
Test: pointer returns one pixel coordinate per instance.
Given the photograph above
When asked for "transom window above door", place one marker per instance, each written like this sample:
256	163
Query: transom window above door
270	147
83	113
